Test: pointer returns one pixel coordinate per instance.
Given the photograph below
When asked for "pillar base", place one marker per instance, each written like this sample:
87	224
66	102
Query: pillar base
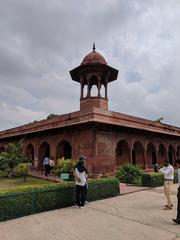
91	102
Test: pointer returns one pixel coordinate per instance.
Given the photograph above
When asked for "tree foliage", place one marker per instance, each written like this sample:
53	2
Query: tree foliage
12	157
21	170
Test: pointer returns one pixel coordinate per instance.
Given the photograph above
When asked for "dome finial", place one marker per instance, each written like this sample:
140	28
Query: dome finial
94	47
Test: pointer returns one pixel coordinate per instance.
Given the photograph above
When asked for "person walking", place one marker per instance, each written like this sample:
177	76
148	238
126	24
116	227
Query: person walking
168	172
177	219
46	166
51	164
80	178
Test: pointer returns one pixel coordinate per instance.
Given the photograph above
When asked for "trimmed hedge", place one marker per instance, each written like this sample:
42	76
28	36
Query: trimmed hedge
27	200
155	179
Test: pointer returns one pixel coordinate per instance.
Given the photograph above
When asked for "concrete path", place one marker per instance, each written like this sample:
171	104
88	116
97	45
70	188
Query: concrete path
135	216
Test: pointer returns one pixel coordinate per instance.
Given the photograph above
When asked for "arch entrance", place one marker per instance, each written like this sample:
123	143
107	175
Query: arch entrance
64	149
29	152
151	157
138	154
122	153
44	151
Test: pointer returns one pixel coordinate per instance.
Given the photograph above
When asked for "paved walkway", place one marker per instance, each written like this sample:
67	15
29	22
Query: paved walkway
129	188
132	216
39	174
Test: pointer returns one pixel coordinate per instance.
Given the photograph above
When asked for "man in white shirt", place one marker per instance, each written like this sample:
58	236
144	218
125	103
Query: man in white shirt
46	166
177	219
168	172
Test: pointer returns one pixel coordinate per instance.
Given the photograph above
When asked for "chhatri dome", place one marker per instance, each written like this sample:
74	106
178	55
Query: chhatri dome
94	58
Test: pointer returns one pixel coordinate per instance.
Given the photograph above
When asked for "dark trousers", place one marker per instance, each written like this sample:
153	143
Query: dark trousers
178	203
47	169
85	192
80	195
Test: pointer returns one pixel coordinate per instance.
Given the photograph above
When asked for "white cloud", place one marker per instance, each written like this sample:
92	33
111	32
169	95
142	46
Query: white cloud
15	116
41	41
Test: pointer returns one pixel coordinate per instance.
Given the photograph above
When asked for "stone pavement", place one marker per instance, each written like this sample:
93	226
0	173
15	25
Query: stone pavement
39	174
135	216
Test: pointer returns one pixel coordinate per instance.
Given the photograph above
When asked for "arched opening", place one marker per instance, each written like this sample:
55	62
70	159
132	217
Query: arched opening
151	157
171	155
29	152
138	154
93	86
64	149
161	154
2	149
178	152
85	91
44	151
94	91
122	153
102	91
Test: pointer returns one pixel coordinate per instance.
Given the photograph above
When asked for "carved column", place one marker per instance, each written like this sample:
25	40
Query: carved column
82	87
36	152
99	86
89	87
130	154
144	157
105	85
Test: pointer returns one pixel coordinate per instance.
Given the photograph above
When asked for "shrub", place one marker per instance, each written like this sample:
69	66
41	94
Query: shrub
129	173
21	170
152	179
27	200
65	166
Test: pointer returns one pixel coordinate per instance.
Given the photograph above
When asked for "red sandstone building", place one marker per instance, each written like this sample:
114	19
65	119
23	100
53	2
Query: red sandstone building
108	139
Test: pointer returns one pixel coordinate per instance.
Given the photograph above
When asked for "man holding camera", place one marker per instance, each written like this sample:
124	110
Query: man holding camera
168	172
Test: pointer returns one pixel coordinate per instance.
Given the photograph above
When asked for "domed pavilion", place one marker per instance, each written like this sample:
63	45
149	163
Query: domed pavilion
108	139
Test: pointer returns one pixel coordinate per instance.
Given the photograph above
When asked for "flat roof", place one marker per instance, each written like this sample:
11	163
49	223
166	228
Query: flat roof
96	115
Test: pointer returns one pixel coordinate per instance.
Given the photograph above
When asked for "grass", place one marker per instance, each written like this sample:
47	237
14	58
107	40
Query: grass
12	182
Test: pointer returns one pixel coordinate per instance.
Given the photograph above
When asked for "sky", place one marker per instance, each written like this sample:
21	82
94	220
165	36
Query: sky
42	40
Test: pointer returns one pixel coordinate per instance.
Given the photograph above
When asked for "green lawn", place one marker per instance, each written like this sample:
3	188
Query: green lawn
6	182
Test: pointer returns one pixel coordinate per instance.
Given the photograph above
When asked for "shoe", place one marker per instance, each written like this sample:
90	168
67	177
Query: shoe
177	221
76	206
81	207
168	205
86	202
167	208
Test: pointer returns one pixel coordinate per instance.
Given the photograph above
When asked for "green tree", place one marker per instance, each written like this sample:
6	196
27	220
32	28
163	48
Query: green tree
12	157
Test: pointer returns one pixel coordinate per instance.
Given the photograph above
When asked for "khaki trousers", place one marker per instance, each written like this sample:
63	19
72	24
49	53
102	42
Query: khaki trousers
167	191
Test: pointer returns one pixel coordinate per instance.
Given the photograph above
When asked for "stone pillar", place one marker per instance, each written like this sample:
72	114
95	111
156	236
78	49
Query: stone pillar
99	86
89	87
36	153
144	157
130	154
53	148
82	88
105	85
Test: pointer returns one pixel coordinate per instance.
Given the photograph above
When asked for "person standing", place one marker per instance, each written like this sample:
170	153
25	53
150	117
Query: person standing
177	219
168	172
51	164
80	178
46	166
